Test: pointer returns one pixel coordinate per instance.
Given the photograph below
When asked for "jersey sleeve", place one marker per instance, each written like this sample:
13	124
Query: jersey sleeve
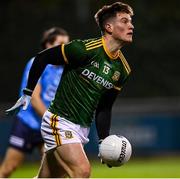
74	53
25	76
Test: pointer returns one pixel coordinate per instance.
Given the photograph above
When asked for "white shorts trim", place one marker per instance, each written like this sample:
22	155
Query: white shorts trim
57	131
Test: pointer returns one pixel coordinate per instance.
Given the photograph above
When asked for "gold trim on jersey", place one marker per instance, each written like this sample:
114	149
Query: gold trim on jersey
64	55
54	123
93	44
107	51
93	41
94	47
125	63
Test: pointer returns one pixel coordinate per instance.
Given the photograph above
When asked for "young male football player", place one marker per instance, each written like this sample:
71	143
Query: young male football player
25	134
94	72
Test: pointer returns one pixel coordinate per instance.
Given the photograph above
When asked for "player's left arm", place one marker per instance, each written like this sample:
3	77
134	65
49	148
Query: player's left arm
103	113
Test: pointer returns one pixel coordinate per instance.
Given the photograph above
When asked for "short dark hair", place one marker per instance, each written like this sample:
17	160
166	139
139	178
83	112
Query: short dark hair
109	11
49	35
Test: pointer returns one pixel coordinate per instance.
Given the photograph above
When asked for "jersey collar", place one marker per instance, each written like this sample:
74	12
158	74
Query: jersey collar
107	51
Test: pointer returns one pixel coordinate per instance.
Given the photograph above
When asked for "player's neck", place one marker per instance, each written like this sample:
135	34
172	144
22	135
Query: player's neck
112	45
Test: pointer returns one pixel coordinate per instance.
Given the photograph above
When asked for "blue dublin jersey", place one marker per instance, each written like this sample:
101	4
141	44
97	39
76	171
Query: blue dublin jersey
49	82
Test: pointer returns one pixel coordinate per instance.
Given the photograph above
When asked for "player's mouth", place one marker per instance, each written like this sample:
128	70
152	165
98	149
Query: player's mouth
130	33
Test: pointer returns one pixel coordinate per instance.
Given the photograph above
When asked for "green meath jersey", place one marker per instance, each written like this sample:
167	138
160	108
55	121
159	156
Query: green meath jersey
89	73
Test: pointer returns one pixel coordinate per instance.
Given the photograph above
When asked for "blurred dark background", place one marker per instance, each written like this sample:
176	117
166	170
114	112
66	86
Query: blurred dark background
148	109
153	56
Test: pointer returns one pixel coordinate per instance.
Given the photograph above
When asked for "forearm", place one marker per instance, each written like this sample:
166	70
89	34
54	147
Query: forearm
103	123
103	113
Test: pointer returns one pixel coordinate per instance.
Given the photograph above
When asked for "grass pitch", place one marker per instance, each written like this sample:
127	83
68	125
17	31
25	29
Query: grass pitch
167	167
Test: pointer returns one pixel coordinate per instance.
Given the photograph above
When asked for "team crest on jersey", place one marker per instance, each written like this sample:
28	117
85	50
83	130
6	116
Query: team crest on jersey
116	76
95	64
68	134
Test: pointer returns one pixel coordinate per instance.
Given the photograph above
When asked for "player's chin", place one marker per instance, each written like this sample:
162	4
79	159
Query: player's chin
128	41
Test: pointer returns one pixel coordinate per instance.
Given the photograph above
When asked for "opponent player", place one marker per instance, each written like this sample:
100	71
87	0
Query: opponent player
25	134
94	73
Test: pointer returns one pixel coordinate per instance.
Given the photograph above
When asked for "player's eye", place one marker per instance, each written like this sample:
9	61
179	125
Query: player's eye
124	20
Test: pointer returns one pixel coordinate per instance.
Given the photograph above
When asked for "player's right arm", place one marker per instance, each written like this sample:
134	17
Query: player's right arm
52	56
69	54
72	54
49	56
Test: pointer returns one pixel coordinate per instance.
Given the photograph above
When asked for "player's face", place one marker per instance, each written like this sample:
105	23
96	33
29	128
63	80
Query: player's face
122	27
60	39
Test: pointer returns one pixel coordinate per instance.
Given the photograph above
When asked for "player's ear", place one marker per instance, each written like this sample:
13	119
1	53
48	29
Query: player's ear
108	28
